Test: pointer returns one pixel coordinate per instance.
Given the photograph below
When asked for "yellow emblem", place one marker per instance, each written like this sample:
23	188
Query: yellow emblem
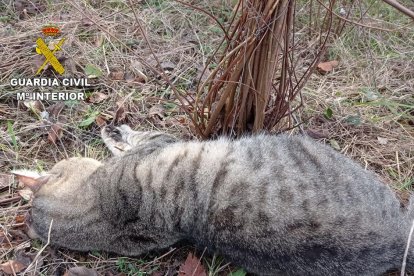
43	49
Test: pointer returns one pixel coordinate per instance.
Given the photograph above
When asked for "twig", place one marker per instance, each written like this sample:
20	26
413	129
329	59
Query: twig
198	263
41	250
406	250
400	7
352	22
209	14
10	200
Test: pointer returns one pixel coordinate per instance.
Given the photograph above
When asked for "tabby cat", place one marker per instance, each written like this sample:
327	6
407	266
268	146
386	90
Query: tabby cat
274	205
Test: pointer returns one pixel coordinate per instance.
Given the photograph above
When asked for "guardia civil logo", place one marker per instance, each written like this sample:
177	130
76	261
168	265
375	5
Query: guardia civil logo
44	50
50	41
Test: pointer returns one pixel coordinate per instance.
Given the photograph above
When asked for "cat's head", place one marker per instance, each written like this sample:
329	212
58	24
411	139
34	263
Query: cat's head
60	195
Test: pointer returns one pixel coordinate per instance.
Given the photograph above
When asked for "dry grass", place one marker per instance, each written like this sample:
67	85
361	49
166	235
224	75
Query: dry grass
370	95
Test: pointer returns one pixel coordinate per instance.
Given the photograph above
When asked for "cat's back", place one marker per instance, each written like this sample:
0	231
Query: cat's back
291	173
296	171
294	186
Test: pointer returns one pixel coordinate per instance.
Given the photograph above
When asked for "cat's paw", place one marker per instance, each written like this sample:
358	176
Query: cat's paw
116	138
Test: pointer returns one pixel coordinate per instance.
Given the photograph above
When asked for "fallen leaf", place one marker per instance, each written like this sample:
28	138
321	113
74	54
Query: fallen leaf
23	257
382	141
20	218
328	66
370	94
99	38
157	110
97	97
80	271
192	267
120	113
239	272
353	120
55	133
117	75
89	119
317	134
55	109
328	113
136	67
6	179
35	106
334	144
44	115
26	194
92	71
167	66
12	267
129	77
100	121
86	22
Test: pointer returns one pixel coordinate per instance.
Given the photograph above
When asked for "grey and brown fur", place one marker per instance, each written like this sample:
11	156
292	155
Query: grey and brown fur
274	205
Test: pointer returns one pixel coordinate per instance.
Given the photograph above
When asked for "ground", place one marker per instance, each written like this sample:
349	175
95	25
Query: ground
364	107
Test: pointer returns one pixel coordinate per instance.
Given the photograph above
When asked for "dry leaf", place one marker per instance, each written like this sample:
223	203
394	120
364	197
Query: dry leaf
382	141
120	113
129	77
117	75
87	22
157	110
136	67
26	194
35	106
12	267
6	179
328	66
55	109
99	38
97	97
192	267
20	218
100	120
80	271
167	66
55	133
317	134
335	144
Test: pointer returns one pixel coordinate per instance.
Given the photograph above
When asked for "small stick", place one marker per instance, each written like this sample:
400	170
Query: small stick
406	250
41	250
400	7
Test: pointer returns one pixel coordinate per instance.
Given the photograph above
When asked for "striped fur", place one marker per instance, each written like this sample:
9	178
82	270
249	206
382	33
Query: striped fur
275	205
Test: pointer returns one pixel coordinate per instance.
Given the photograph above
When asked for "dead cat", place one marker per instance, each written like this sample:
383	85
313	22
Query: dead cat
274	205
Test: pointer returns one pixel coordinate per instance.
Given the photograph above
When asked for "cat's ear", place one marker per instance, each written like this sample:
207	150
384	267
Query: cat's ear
31	179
